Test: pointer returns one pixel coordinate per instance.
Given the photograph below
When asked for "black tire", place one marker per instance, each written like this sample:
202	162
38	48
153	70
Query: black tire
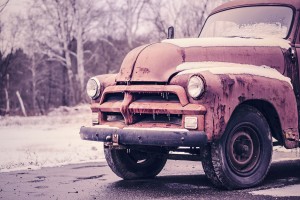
133	164
242	157
208	167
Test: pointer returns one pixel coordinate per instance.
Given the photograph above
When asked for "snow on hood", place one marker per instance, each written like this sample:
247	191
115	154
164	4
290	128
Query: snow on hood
228	42
231	68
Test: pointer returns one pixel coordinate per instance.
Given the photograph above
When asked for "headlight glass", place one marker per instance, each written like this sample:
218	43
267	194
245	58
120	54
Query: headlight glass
196	87
93	88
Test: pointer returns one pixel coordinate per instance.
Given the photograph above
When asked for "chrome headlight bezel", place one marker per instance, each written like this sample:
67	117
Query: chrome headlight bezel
196	86
93	93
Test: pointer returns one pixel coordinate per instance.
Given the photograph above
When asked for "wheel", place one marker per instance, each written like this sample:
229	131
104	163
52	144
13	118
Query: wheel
133	164
242	157
208	168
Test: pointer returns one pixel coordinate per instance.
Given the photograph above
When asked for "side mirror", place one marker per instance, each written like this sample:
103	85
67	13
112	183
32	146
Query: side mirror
171	32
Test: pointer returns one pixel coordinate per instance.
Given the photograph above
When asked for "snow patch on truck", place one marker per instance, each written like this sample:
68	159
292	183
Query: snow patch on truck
229	42
231	68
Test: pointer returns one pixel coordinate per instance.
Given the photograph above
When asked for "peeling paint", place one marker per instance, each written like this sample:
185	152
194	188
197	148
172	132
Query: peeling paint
144	70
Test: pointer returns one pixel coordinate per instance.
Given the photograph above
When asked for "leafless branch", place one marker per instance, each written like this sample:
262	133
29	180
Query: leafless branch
2	6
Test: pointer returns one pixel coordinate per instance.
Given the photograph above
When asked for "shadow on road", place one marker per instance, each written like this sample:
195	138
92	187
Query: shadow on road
281	174
287	169
169	184
164	187
284	169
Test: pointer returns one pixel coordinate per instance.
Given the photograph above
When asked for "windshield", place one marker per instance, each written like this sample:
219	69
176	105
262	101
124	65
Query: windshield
250	22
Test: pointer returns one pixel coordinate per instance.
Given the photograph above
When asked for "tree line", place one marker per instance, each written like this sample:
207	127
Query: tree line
48	54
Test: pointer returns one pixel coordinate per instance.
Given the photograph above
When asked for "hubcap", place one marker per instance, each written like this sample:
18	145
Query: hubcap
243	149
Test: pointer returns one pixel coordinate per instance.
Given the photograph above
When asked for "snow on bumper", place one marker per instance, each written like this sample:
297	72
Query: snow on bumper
145	136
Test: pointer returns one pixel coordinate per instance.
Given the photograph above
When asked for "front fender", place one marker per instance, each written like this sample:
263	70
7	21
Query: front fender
225	92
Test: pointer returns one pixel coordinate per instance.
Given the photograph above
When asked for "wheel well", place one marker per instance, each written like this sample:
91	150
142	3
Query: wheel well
271	115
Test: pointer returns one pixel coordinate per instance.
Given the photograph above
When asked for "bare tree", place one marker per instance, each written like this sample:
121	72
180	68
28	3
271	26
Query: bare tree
3	5
8	38
130	14
4	77
186	16
87	16
31	34
64	24
163	15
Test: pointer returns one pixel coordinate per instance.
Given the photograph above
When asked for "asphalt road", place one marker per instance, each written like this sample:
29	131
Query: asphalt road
178	180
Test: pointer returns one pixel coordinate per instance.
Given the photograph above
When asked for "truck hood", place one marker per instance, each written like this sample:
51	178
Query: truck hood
159	61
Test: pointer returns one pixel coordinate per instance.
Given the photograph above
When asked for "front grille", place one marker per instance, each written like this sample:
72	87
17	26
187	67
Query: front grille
156	97
155	106
113	117
114	97
161	119
143	97
139	113
145	118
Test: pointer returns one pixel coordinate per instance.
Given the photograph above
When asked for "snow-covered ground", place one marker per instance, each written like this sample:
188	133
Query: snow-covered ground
53	140
43	141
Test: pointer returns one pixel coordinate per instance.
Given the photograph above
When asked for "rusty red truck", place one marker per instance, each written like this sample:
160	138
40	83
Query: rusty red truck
225	98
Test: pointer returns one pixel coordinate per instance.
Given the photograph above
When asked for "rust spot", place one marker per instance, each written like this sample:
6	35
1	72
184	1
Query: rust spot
227	84
221	114
182	53
240	81
241	99
291	135
144	70
222	124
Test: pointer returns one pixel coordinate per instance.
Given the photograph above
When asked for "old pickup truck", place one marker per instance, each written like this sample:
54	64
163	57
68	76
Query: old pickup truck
225	98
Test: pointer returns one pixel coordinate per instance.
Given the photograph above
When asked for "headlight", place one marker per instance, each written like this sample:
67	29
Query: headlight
196	86
93	88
